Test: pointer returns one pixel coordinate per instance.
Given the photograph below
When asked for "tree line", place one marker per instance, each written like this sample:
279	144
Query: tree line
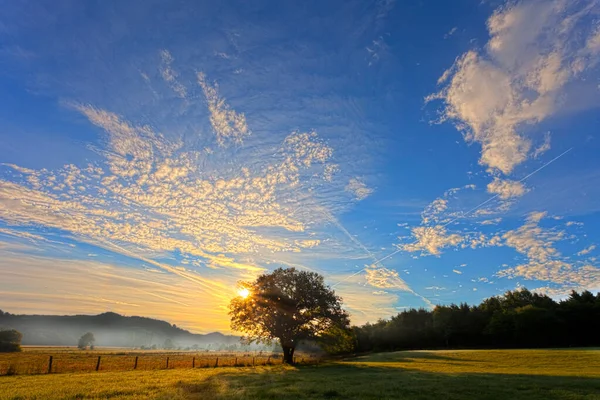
297	310
516	319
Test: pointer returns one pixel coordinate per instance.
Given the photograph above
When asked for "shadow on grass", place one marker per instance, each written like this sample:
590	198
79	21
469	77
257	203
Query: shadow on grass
406	356
348	381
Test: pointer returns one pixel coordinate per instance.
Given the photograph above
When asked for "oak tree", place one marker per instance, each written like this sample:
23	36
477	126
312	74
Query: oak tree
286	305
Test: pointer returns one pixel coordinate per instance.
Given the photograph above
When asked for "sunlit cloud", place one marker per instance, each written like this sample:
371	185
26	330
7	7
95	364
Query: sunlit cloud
587	250
544	261
358	189
385	279
536	51
196	164
432	239
34	284
169	75
228	125
506	189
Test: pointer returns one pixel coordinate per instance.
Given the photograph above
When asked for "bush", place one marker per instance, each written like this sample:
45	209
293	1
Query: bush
10	341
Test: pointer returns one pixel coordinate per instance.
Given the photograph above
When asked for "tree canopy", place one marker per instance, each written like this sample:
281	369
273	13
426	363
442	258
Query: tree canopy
289	306
518	318
10	341
86	340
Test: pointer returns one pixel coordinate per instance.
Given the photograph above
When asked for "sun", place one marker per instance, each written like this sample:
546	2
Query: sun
244	293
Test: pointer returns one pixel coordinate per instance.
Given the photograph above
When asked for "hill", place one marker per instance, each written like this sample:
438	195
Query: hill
110	329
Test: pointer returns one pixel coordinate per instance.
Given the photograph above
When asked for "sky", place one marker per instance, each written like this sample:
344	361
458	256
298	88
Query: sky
153	154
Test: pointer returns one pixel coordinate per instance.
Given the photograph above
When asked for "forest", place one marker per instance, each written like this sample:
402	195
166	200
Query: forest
517	319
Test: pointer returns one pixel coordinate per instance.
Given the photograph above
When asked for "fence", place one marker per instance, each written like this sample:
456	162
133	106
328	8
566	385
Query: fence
28	364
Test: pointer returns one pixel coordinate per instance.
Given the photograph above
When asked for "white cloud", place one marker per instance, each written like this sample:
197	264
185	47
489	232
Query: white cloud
494	221
574	223
587	250
457	271
534	241
506	189
536	49
358	189
544	261
450	32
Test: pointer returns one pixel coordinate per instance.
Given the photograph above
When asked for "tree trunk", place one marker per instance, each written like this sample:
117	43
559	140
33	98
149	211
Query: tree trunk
288	355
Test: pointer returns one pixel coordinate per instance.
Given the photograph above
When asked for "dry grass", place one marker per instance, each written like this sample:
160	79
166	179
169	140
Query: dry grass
68	360
449	375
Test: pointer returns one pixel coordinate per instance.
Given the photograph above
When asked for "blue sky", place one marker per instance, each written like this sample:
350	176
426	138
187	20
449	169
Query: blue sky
414	153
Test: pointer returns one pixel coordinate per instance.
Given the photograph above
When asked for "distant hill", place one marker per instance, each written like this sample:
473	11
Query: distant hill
109	329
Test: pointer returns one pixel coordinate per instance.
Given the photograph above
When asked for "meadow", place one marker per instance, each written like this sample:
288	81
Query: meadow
453	375
36	360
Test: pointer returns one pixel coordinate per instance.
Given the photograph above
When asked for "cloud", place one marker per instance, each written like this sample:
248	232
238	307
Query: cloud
432	211
184	202
152	193
506	189
440	210
544	261
574	223
364	304
432	235
228	125
358	189
376	50
450	32
534	241
457	271
544	147
536	52
494	221
587	250
384	278
170	75
79	286
432	239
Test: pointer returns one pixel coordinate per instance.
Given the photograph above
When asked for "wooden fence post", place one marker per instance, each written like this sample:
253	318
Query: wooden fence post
235	364
50	365
98	364
167	362
193	362
135	363
253	361
268	360
217	362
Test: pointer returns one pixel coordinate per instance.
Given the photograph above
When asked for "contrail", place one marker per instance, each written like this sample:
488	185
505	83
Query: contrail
462	215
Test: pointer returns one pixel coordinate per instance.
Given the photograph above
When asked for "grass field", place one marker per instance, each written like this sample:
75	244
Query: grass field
35	360
452	375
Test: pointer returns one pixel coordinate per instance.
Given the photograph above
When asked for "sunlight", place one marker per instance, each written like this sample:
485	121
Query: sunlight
243	293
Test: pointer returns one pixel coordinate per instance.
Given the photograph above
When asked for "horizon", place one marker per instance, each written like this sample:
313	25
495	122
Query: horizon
151	157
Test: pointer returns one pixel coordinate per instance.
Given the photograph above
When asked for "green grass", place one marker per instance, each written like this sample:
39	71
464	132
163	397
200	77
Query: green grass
495	374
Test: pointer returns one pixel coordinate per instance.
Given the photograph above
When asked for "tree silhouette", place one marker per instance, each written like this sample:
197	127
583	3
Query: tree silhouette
289	306
10	341
169	345
519	318
86	340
